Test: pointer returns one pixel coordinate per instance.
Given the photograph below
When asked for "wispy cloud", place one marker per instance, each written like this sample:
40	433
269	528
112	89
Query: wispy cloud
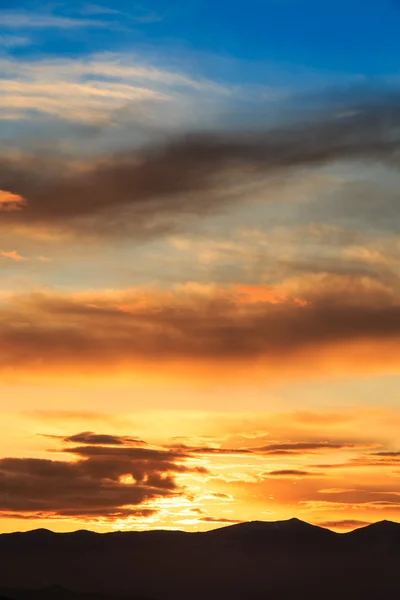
95	9
13	41
105	90
140	16
13	255
30	20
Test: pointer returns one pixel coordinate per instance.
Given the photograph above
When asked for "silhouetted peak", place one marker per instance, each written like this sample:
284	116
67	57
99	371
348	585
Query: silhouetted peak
39	532
287	527
383	525
379	531
83	533
293	523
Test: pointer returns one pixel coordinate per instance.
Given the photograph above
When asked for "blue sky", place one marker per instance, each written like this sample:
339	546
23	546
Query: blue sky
204	61
356	37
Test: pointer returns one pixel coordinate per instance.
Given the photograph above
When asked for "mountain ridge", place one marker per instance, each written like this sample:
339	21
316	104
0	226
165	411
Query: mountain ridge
292	523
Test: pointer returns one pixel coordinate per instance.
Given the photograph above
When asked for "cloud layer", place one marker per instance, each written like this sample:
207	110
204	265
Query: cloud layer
163	182
102	331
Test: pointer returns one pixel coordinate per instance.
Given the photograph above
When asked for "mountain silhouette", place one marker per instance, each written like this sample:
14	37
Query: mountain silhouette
292	528
246	561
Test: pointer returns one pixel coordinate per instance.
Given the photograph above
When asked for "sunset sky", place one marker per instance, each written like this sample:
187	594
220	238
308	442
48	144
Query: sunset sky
199	263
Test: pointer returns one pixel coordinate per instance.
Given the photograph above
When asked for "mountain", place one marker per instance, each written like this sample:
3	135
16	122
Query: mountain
275	530
383	536
247	561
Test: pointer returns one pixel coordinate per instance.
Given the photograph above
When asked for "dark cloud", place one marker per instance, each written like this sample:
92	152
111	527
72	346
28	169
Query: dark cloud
127	452
145	185
211	450
42	331
293	473
107	482
388	454
89	514
279	449
308	447
112	480
88	437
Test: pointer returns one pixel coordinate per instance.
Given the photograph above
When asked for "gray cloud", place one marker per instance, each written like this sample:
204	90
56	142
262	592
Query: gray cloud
148	189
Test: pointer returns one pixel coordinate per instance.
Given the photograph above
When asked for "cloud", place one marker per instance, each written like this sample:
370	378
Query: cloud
109	100
388	454
309	448
101	482
293	473
30	20
10	202
219	520
90	438
86	102
278	449
374	459
95	9
139	15
326	505
211	450
101	332
145	189
13	255
344	524
13	41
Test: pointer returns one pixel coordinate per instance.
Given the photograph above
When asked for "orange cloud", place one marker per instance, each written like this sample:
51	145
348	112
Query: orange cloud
269	294
202	332
13	255
10	202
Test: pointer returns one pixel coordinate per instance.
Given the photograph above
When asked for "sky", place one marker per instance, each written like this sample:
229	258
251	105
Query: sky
199	263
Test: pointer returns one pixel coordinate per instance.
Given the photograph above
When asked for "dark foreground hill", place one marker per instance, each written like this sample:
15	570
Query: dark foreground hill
254	561
57	592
